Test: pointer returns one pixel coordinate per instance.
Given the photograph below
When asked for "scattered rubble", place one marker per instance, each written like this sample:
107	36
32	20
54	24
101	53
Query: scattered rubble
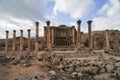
114	52
62	67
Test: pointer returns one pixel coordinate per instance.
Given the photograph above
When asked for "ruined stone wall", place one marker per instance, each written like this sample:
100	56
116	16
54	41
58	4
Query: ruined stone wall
2	44
99	39
60	36
114	39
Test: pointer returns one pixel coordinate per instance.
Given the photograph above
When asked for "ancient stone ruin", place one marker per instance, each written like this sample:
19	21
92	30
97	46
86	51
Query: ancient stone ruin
63	53
62	37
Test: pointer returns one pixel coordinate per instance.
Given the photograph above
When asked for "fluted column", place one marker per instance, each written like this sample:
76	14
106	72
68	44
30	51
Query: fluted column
48	36
21	40
78	35
37	36
6	41
90	34
14	40
29	39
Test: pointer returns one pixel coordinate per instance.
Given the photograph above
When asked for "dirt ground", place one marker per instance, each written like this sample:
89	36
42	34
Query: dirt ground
43	70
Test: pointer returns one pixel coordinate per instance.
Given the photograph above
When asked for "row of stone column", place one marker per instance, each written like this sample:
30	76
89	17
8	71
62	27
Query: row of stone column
48	37
79	34
14	45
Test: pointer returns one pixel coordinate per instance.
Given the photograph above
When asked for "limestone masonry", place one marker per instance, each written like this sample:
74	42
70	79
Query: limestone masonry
62	38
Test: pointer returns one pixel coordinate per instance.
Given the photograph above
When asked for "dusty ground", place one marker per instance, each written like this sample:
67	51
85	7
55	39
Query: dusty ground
17	72
42	69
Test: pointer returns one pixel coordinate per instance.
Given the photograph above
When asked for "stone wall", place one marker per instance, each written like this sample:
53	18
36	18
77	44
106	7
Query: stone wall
62	36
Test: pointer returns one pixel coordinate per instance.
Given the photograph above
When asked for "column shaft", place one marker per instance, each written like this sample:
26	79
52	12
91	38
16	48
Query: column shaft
82	40
107	40
73	35
29	39
48	36
37	36
52	36
90	34
14	40
78	35
6	41
117	39
21	40
45	36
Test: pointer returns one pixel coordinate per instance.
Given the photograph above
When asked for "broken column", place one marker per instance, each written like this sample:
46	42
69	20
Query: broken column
78	35
6	41
14	40
90	34
37	36
107	40
48	36
117	39
29	44
21	40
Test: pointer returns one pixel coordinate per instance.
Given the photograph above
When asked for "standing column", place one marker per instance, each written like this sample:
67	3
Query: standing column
82	39
73	35
48	36
45	36
14	40
90	34
37	36
52	36
78	35
6	41
21	40
0	45
107	39
117	39
29	45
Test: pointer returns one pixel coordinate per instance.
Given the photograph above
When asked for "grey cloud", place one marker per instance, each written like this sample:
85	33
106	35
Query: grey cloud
75	8
109	16
21	14
30	9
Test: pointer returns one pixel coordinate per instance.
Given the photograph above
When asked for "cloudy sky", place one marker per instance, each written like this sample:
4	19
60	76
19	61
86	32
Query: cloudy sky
21	14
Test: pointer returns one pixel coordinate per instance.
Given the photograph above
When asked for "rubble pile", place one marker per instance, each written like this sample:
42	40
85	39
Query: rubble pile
114	52
22	59
88	69
4	59
57	67
81	54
